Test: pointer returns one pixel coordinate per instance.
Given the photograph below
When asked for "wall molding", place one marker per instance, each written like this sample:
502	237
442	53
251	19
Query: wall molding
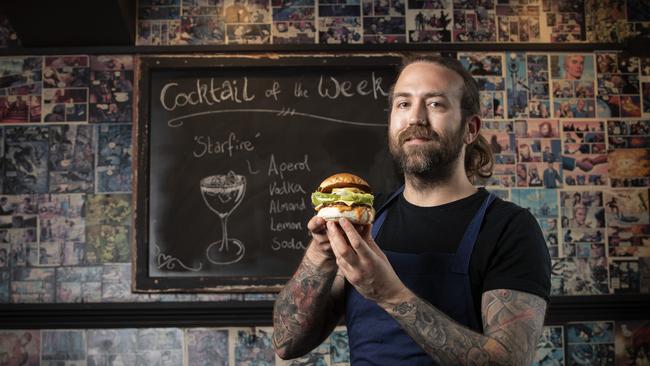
629	45
259	313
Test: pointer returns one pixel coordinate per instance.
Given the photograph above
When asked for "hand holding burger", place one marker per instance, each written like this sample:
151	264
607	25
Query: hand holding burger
347	196
357	257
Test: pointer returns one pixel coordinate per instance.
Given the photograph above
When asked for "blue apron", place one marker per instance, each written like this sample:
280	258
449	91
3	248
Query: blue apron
442	279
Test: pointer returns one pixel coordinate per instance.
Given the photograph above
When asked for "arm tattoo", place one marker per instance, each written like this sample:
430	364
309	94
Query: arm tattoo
514	318
513	323
301	314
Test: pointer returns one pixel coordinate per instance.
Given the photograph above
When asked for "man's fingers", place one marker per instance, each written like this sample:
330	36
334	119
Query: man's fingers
339	243
316	225
357	241
366	233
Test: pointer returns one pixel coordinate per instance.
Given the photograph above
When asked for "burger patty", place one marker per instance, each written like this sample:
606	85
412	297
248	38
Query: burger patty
327	204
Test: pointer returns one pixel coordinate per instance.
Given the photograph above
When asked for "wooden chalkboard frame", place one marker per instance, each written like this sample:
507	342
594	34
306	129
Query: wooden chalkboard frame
146	66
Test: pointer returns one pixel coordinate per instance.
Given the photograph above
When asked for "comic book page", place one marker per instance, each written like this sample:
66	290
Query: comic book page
590	343
584	156
114	158
294	22
542	203
550	348
251	347
108	228
32	285
63	347
572	85
78	284
71	159
202	22
206	346
159	346
538	149
26	151
65	94
488	71
111	89
20	347
501	137
632	342
247	21
584	267
339	347
112	346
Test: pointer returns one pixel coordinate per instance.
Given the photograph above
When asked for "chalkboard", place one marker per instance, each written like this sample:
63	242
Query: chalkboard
229	151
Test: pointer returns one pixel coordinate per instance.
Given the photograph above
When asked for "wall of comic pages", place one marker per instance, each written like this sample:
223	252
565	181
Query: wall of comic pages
586	343
571	137
229	22
567	130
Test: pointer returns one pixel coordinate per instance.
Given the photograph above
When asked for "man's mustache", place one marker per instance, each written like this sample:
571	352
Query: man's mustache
417	132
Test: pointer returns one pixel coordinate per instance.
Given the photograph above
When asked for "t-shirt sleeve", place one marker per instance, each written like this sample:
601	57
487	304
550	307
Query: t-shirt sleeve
520	260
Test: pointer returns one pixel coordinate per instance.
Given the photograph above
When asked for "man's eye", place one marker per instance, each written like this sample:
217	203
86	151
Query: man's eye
402	104
435	104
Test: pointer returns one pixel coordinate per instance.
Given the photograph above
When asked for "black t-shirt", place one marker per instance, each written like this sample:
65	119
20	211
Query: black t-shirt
510	251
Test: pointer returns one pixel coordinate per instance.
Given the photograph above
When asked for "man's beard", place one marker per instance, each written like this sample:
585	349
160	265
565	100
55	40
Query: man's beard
431	162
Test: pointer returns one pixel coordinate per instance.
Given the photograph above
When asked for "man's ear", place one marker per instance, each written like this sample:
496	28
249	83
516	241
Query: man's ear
473	129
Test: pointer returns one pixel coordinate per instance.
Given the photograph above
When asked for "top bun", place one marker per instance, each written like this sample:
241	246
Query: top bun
344	180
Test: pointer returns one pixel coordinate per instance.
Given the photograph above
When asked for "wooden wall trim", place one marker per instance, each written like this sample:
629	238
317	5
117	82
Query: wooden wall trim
256	313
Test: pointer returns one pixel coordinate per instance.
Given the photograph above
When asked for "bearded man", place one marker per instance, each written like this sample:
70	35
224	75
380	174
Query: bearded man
448	274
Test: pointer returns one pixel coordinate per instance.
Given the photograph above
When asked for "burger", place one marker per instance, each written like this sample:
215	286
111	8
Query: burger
344	195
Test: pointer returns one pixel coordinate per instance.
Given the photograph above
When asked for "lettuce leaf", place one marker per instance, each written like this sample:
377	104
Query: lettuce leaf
349	198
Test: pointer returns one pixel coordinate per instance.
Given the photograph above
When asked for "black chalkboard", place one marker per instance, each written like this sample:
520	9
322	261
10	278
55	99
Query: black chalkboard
241	142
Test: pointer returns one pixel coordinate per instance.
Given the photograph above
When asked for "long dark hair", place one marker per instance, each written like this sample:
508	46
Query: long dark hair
479	161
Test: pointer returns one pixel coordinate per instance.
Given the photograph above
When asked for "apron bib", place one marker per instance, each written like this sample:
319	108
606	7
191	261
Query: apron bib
441	279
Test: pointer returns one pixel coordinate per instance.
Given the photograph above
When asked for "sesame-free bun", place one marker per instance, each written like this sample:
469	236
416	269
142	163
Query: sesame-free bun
358	215
344	180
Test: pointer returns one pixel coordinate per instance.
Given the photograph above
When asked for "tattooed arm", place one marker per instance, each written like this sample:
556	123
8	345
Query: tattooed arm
310	305
512	320
512	324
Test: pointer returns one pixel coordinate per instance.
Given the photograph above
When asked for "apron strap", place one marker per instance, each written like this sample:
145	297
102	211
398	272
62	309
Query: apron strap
466	247
381	213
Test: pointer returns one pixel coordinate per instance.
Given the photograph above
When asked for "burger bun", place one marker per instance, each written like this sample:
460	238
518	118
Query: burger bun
358	215
344	180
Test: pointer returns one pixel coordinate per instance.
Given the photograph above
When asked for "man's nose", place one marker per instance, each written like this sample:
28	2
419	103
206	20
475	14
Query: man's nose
418	114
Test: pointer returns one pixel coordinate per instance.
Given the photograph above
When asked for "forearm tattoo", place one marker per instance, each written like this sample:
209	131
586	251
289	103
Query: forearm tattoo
300	314
513	323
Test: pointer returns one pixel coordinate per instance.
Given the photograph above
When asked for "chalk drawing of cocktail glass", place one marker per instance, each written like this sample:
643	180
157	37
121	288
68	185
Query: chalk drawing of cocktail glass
222	194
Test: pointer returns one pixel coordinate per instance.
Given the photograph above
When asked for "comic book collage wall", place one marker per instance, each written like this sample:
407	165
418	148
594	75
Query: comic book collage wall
585	343
570	133
235	22
571	138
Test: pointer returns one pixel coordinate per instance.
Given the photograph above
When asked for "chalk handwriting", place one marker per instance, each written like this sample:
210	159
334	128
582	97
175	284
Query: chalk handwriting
293	244
299	92
205	93
332	88
282	167
250	168
285	188
278	207
288	225
274	91
213	146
